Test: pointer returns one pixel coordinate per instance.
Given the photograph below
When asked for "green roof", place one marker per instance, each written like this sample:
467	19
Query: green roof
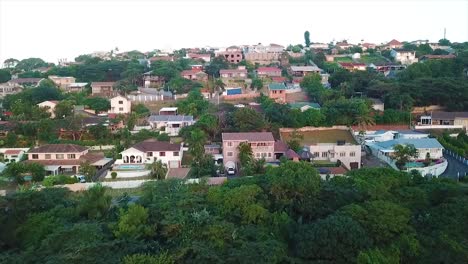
277	86
299	105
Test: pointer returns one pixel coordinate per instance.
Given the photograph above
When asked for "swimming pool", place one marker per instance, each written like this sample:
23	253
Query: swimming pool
414	164
129	167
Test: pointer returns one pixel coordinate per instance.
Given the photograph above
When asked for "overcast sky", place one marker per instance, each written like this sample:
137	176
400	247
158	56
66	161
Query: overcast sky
65	29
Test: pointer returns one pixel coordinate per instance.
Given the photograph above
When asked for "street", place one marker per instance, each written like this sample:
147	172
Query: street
454	168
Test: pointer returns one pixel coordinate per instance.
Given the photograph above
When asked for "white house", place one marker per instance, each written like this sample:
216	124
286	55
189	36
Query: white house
120	105
403	56
386	135
13	154
49	106
148	151
170	124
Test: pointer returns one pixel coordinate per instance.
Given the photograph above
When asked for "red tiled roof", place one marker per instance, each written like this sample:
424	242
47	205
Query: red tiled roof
268	69
12	151
394	42
291	154
154	145
280	146
249	136
278	79
89	157
58	148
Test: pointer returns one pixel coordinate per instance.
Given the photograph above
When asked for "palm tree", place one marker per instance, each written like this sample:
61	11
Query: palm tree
158	170
364	120
245	153
403	154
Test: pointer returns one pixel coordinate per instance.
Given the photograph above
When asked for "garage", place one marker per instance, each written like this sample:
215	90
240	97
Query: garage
174	164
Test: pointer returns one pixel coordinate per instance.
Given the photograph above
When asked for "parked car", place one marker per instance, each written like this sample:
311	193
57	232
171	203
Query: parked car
81	178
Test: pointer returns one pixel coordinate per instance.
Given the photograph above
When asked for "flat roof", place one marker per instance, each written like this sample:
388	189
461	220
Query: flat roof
168	109
314	137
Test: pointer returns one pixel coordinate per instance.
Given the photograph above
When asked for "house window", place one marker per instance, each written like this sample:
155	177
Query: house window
120	109
120	102
71	156
257	155
229	154
316	154
332	155
149	154
48	156
162	154
352	154
324	154
229	144
269	154
175	154
263	155
59	156
342	154
35	156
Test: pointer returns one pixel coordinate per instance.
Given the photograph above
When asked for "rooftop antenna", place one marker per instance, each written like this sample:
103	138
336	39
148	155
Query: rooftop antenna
445	31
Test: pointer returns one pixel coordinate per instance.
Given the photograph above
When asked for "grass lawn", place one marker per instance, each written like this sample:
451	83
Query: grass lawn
154	106
343	59
322	136
119	192
372	59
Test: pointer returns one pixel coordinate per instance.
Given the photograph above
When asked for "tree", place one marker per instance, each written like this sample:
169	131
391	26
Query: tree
98	104
30	64
133	223
10	63
247	119
245	155
216	64
88	171
444	42
5	75
131	121
294	141
403	153
256	83
162	258
196	143
64	109
158	170
209	124
99	132
140	109
307	38
95	203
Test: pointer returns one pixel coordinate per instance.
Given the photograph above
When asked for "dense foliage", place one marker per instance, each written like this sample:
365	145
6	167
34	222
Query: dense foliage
289	215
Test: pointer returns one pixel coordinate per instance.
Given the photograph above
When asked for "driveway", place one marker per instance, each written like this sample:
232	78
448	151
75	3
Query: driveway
454	168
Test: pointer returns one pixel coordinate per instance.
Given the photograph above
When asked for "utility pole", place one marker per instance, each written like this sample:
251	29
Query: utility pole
445	31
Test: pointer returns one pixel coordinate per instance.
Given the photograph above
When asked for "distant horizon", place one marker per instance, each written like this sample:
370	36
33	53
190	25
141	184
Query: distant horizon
53	30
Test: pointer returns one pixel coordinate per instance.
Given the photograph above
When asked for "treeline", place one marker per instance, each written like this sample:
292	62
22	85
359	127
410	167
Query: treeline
458	144
290	215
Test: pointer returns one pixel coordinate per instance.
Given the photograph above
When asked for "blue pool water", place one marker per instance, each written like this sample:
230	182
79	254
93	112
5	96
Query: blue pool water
129	167
414	164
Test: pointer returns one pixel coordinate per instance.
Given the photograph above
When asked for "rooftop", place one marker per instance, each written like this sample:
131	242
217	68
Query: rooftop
321	135
170	118
249	136
59	148
298	105
154	145
268	69
277	86
305	68
102	83
418	143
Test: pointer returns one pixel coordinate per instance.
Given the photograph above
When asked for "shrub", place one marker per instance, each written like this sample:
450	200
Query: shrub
114	175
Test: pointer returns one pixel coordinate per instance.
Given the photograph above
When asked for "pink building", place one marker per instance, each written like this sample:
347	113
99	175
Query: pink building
232	54
262	144
65	158
194	75
239	73
102	89
353	66
268	72
196	56
277	92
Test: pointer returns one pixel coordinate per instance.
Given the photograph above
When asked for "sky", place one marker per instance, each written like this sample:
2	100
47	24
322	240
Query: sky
65	29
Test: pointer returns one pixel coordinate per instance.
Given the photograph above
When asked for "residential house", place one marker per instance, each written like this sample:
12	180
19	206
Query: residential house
194	75
264	72
49	106
9	155
301	71
344	45
331	144
148	151
437	57
9	88
102	89
377	104
195	56
419	42
212	149
394	44
234	74
353	66
65	158
319	46
26	81
403	56
275	48
262	58
62	81
386	135
232	54
304	106
442	120
435	46
168	111
152	81
161	58
76	87
277	92
262	144
366	46
170	124
385	67
120	105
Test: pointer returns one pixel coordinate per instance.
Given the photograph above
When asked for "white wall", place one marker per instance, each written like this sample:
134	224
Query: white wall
166	159
347	151
124	107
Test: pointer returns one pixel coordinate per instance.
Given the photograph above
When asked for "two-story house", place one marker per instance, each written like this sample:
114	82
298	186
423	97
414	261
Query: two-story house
102	89
277	92
120	105
150	150
194	75
444	120
65	158
9	88
232	54
403	56
328	144
62	81
301	71
262	144
394	44
49	106
238	74
170	124
264	72
206	57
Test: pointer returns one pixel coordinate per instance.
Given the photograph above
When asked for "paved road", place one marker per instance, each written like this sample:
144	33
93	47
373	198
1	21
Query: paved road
454	167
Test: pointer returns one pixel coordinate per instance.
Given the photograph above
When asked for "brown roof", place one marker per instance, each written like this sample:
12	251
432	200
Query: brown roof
249	136
192	72
154	145
291	154
12	151
58	148
449	115
394	42
26	80
102	83
89	157
280	146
